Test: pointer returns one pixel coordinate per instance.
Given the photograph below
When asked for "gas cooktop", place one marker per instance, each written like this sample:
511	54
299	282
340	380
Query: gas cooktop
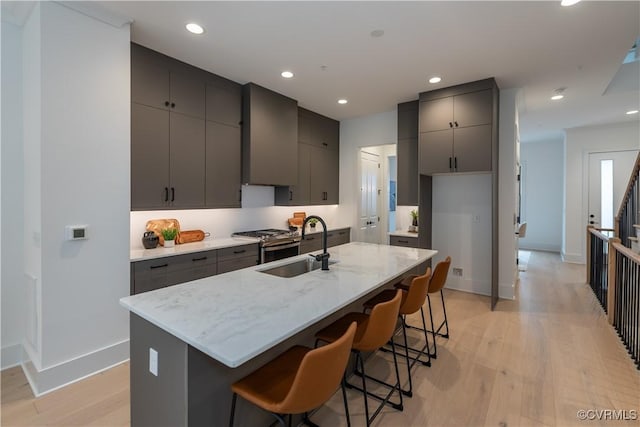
268	234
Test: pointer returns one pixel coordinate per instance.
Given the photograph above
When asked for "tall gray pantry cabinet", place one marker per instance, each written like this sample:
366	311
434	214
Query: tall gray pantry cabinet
185	135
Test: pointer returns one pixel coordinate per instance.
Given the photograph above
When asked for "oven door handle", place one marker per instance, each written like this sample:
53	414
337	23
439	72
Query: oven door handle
279	247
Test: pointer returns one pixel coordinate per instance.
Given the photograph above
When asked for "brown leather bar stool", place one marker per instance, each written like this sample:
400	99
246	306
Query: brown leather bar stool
374	331
437	282
412	301
298	380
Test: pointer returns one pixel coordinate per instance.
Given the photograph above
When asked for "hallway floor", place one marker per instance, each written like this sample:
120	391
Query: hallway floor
532	362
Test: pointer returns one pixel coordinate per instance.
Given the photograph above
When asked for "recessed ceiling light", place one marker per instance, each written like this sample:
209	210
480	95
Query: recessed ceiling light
632	112
286	74
435	79
569	2
342	101
558	94
194	28
377	33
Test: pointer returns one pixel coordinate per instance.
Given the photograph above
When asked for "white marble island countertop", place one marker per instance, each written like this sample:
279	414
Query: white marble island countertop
236	316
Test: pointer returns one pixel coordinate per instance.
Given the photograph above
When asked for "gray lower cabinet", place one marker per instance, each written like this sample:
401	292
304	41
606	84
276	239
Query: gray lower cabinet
407	242
313	242
237	257
162	272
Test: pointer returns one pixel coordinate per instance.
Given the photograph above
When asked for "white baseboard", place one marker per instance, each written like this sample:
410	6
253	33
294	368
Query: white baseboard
54	377
533	246
506	291
470	286
573	258
12	355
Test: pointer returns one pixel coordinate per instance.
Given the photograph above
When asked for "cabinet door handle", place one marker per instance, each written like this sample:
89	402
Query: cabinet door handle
309	238
290	195
450	124
342	233
166	103
153	267
199	259
240	251
173	194
173	105
455	123
325	144
166	194
403	241
455	163
240	195
449	162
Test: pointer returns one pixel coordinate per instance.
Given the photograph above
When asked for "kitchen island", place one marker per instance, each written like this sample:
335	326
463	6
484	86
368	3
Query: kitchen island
210	332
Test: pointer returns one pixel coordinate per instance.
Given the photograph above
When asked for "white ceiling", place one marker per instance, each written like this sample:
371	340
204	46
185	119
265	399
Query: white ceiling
536	46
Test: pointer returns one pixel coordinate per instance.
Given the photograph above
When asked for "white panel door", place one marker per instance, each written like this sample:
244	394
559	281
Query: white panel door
609	174
368	215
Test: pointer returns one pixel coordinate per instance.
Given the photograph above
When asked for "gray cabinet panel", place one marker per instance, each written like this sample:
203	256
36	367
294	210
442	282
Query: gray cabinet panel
436	114
237	264
338	237
472	149
471	109
408	120
149	157
325	133
223	156
304	127
187	161
224	105
436	152
187	95
323	187
408	242
407	171
299	194
149	79
251	250
311	243
270	137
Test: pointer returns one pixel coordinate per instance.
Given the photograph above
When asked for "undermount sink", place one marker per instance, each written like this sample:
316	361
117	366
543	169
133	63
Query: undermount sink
296	268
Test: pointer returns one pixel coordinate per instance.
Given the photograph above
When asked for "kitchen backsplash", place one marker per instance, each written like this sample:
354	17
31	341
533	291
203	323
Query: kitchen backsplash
403	217
258	212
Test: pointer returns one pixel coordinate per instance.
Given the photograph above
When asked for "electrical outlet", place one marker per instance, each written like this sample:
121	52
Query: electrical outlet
457	272
153	361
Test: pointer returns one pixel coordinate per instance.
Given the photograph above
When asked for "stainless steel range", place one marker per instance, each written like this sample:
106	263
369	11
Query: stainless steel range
274	244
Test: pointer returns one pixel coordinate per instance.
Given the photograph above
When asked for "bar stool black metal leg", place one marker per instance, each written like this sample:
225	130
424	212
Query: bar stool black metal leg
395	363
433	330
409	392
364	387
233	409
444	310
426	340
346	402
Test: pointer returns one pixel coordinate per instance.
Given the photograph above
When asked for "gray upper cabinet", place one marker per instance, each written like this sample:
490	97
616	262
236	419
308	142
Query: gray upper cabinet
185	135
318	163
149	157
187	161
224	103
270	137
407	154
223	148
458	128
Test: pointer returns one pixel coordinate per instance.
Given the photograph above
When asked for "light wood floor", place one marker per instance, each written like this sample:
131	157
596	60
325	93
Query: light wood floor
533	362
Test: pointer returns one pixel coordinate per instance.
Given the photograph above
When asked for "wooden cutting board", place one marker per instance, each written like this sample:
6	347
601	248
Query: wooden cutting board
157	225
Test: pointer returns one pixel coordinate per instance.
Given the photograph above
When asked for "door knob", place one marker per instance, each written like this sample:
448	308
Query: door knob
591	216
591	222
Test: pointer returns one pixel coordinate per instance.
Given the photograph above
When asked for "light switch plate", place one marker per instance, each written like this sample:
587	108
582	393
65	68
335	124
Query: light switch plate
75	232
153	361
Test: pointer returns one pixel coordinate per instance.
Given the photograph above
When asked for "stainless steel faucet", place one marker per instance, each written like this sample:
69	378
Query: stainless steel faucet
324	257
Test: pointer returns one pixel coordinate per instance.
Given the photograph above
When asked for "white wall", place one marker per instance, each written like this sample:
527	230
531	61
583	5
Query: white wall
367	131
579	142
257	212
542	177
13	295
508	152
462	229
81	154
